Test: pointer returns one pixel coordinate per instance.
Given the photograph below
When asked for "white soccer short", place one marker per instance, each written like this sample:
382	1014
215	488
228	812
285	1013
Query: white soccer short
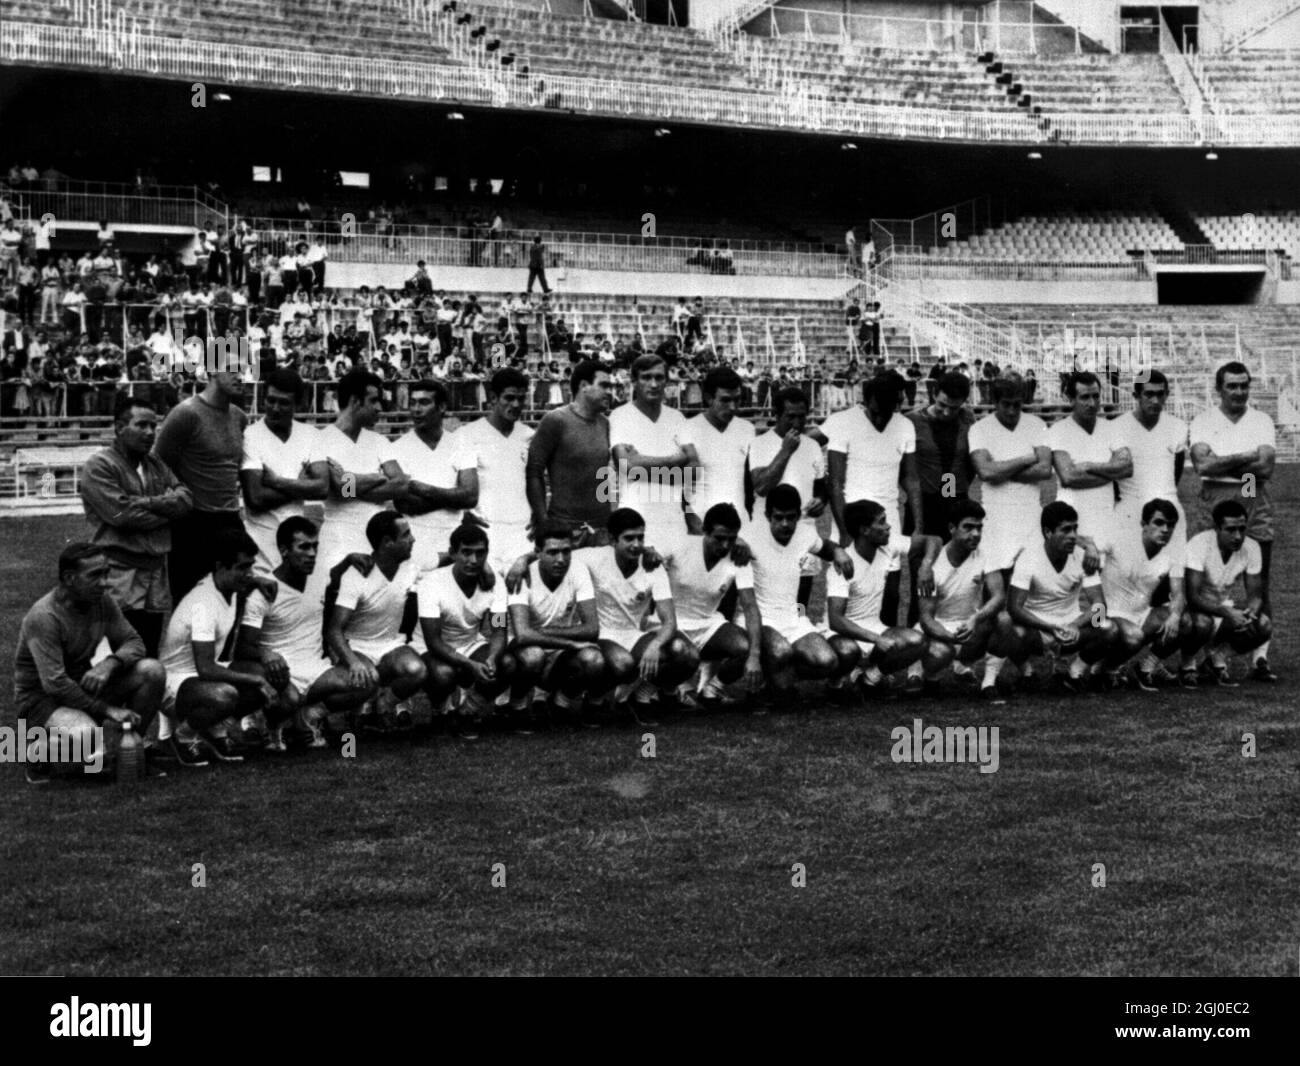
303	673
700	635
625	638
797	629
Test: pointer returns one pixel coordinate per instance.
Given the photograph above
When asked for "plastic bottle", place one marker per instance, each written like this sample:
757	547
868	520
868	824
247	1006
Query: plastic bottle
130	755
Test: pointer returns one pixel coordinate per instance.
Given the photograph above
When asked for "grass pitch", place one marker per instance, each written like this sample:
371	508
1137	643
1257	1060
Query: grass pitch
684	863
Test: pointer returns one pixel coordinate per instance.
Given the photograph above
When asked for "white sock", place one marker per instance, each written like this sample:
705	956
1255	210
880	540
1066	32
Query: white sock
1217	659
1147	660
708	671
960	669
1027	668
166	727
873	675
992	667
623	691
1078	667
249	721
916	670
1261	652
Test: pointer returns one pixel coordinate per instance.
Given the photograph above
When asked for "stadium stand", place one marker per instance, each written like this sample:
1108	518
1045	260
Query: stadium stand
1255	81
1110	84
1101	234
1276	231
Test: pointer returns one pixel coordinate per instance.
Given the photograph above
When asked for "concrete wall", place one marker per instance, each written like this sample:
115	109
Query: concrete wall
1288	292
344	275
1098	19
1041	292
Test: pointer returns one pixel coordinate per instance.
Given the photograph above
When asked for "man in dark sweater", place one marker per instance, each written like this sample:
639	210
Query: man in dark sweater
570	451
202	440
537	265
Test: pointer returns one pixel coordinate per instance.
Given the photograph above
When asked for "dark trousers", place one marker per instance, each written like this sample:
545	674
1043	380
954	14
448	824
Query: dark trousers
149	624
537	274
190	560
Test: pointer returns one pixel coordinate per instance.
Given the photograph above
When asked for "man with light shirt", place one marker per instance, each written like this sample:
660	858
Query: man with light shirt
871	450
1157	443
1234	448
1087	458
654	457
1010	452
442	474
964	619
276	474
722	440
1044	601
499	443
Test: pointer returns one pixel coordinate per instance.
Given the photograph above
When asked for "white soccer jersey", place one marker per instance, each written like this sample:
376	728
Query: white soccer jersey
959	589
502	489
1129	577
1053	594
865	590
1096	506
441	598
655	495
622	601
285	458
203	615
1012	502
698	590
806	466
873	459
1153	451
1221	574
343	529
557	606
292	628
721	476
439	467
1226	437
378	604
777	570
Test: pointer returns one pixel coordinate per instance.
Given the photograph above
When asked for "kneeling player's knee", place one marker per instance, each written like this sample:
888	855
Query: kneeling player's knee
1264	627
442	677
530	661
847	653
682	652
589	662
151	672
819	661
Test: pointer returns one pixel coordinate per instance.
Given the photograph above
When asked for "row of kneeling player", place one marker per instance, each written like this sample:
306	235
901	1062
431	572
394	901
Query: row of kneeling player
625	627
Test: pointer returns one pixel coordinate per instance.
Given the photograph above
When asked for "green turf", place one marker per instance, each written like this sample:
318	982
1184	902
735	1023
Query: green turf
617	864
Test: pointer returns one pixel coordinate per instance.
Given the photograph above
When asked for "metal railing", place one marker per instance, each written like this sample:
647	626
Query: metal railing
916	267
957	222
229	63
123	204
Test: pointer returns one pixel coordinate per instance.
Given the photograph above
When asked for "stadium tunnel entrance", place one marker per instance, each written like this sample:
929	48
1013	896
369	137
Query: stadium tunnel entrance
1202	286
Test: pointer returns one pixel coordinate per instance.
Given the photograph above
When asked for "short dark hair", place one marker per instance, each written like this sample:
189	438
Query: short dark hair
1153	377
959	510
468	535
507	378
1228	509
886	388
860	514
585	373
229	544
1080	377
1164	507
783	498
642	363
437	388
720	377
721	514
1229	368
1007	386
1055	513
291	527
125	401
76	553
285	380
382	526
622	520
953	385
552	529
353	385
790	394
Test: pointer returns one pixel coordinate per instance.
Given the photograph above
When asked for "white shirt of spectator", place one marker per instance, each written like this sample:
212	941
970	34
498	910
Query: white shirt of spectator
806	466
1226	437
1221	574
378	604
442	599
558	606
1129	578
439	467
959	590
864	593
285	459
721	476
290	627
655	495
1053	595
777	570
697	590
622	602
873	459
343	529
204	615
1096	506
1012	502
1153	451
